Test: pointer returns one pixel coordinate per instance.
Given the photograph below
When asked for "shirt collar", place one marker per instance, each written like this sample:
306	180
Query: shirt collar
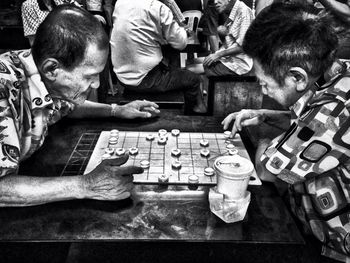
300	105
320	85
40	97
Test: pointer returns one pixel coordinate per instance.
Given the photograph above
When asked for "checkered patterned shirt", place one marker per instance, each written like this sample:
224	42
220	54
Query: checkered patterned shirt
313	156
32	16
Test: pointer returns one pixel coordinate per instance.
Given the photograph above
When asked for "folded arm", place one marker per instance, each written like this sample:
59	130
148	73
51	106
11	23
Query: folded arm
342	10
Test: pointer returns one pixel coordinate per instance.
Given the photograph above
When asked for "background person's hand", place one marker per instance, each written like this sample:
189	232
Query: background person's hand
242	118
210	59
139	109
109	180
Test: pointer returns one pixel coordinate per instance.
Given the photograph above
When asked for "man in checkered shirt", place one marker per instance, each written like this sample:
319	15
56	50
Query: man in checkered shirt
295	64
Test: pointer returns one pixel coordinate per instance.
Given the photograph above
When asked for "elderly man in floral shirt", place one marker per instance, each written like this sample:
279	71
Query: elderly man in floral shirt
39	87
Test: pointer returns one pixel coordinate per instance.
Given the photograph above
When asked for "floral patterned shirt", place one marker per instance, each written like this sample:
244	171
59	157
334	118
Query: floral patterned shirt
26	109
313	156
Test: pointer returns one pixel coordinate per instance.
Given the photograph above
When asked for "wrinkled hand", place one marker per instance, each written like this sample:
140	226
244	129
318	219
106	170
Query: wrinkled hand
242	118
139	109
101	19
210	59
109	180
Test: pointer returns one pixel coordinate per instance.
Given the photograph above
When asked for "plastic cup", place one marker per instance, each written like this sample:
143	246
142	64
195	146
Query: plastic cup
233	174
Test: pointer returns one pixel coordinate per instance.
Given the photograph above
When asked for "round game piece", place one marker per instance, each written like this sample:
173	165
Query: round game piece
230	146
176	152
113	141
133	150
204	143
162	140
232	151
163	178
119	151
109	151
106	156
175	132
176	164
208	171
193	179
162	132
227	134
144	164
150	137
114	133
205	152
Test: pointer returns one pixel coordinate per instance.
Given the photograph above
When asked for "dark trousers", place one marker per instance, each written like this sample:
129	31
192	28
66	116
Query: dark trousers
163	78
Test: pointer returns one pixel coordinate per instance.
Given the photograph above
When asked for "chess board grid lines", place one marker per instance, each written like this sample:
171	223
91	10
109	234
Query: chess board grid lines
79	158
220	149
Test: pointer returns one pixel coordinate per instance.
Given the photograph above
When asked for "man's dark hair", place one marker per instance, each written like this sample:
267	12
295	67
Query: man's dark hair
291	35
65	35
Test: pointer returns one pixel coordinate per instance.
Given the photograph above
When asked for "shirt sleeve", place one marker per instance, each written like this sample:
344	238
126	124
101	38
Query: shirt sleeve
241	21
30	18
174	35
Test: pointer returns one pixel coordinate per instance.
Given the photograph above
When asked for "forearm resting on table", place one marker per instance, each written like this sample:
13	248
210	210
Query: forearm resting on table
90	109
18	190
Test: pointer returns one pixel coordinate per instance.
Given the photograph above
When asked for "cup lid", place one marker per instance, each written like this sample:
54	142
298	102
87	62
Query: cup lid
233	165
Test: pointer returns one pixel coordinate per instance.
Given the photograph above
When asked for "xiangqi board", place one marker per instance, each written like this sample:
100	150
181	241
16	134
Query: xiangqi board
171	157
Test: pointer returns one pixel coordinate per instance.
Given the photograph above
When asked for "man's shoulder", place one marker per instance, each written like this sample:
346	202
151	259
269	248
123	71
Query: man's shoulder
240	9
30	4
339	85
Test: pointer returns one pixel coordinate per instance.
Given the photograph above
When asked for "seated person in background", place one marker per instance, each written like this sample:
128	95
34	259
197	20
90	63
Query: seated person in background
230	58
34	12
102	10
211	20
69	51
313	156
139	30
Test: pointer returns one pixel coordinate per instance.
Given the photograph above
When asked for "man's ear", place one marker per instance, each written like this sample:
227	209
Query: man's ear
49	68
300	77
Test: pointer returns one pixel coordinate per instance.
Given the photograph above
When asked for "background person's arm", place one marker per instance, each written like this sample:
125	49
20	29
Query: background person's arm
341	10
175	35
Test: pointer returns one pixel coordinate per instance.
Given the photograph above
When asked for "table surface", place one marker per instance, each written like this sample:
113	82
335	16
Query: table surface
153	213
